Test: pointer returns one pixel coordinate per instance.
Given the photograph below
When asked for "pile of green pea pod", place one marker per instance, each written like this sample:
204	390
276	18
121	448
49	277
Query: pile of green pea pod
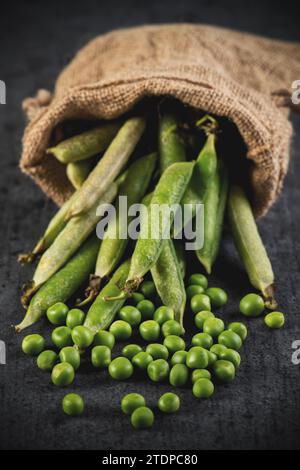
113	271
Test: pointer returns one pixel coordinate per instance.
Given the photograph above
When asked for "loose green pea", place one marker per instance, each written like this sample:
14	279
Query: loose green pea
71	355
149	330
169	403
135	298
32	345
120	368
217	349
252	305
61	337
82	336
200	318
202	339
200	302
224	370
46	360
238	328
172	327
147	309
232	356
57	313
194	290
104	338
101	356
148	289
121	330
197	358
130	350
213	326
72	404
274	320
200	374
230	339
157	351
211	358
203	388
218	297
130	315
142	360
158	370
198	279
179	375
163	314
179	357
131	402
62	374
142	418
174	343
75	317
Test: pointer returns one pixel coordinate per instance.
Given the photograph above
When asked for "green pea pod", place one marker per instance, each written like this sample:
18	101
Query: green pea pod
250	245
77	172
85	145
223	196
110	165
171	146
62	285
102	313
180	252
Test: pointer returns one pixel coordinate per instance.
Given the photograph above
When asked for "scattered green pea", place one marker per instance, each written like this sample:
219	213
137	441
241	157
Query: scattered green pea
157	351
142	360
61	337
252	305
130	315
198	279
194	290
200	302
104	338
230	339
158	370
130	350
224	370
202	339
135	298
213	326
121	330
46	360
142	418
174	343
203	388
149	330
147	309
57	313
148	289
82	336
200	318
101	356
179	357
62	374
75	317
179	375
211	358
131	402
217	349
32	345
72	404
172	327
197	358
274	320
238	328
163	314
200	374
218	297
232	356
71	355
120	368
169	403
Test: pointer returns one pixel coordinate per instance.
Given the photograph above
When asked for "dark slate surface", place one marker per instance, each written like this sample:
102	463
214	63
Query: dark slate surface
261	409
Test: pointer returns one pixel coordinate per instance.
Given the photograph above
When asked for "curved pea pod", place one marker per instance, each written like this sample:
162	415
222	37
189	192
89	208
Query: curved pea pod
61	286
110	165
171	146
85	145
250	245
223	196
102	313
168	280
77	172
180	253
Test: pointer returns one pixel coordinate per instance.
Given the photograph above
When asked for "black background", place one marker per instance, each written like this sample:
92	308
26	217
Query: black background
261	409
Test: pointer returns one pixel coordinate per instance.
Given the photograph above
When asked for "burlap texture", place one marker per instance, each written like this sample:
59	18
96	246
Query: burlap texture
240	76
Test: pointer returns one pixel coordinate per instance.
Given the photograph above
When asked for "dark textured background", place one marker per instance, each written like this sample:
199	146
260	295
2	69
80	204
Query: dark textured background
261	409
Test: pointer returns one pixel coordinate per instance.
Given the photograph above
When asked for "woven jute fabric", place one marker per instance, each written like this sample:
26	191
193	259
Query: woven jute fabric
242	77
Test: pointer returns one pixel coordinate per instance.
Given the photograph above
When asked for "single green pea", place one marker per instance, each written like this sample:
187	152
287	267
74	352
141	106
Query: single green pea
172	327
169	403
147	309
120	368
252	305
202	339
46	360
130	350
194	290
224	370
142	418
71	355
157	351
121	330
203	388
212	358
238	328
179	375
230	339
57	314
62	374
131	402
148	289
274	320
32	345
213	326
179	357
104	338
232	356
101	356
130	315
174	343
72	404
142	360
200	318
197	358
200	374
218	297
200	302
217	349
82	336
61	337
198	279
75	317
163	314
149	330
135	298
158	370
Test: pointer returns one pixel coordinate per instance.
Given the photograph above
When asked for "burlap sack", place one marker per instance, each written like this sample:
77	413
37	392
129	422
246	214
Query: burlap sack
243	77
